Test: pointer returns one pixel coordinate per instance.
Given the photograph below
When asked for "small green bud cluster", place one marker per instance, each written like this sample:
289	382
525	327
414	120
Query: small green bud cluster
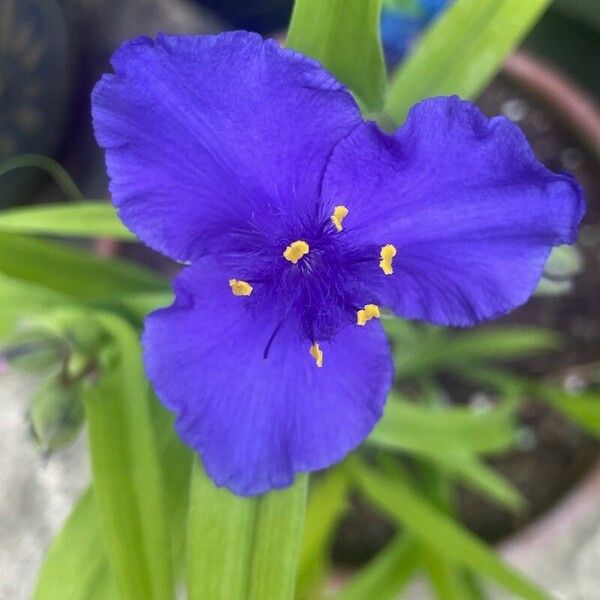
63	351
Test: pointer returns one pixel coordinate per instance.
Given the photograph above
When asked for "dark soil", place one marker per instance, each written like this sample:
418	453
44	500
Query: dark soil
558	453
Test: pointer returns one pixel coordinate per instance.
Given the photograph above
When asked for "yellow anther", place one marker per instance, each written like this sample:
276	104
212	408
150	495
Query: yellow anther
317	354
240	288
387	254
338	216
370	311
295	251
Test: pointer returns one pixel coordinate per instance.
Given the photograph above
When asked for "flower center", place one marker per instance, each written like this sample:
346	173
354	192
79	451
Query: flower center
323	280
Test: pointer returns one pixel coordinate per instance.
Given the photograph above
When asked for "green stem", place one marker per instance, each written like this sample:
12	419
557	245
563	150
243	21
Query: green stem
54	169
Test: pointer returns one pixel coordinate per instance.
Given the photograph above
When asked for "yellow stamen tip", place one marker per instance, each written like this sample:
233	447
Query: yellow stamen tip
387	254
240	288
295	251
370	311
317	354
338	216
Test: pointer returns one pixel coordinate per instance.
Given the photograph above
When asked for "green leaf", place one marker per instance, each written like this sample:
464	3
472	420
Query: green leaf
437	349
76	565
583	409
412	427
344	36
445	579
127	473
327	503
385	576
276	543
72	271
176	463
79	219
219	539
471	471
457	545
243	548
461	52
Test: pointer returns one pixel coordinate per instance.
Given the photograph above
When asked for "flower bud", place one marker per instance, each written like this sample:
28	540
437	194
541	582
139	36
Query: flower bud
35	351
56	414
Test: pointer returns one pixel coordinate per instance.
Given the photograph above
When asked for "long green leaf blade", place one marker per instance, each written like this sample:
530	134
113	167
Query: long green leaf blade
583	409
437	349
327	503
277	539
76	566
220	530
406	426
78	219
344	36
462	51
72	271
445	579
471	471
385	576
457	545
243	548
127	474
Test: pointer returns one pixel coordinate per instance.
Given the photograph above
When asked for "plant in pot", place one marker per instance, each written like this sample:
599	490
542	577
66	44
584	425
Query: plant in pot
142	527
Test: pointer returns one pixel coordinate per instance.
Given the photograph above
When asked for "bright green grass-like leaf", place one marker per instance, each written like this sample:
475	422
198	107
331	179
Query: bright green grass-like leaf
243	548
79	219
387	574
461	52
451	438
277	539
445	579
344	36
220	530
471	471
410	426
76	566
457	545
583	409
127	474
437	349
327	503
72	271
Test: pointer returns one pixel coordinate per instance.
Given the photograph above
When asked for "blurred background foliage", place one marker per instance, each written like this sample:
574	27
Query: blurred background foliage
463	449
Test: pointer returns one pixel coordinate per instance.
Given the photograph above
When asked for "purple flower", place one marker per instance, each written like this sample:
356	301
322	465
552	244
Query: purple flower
299	220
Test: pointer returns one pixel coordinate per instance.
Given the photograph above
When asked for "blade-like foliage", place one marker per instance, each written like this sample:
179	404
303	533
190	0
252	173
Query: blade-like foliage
385	576
457	545
78	219
413	427
243	548
72	271
461	52
126	472
344	36
76	566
